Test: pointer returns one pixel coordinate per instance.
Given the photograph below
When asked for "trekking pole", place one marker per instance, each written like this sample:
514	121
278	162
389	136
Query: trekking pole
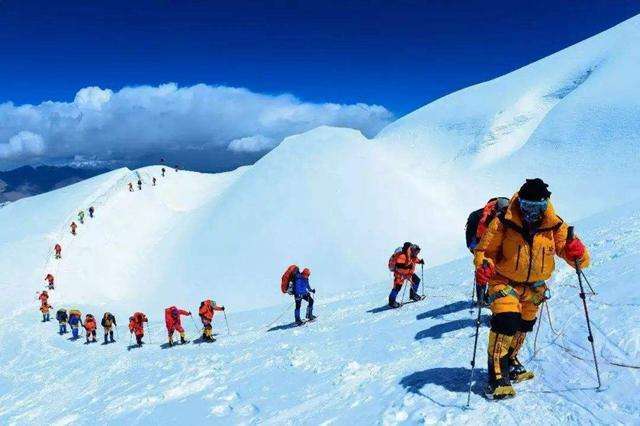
485	264
586	310
422	277
198	330
404	290
284	311
130	337
226	322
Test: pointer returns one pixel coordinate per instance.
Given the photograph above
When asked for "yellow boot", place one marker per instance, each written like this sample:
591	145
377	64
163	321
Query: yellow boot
499	386
517	372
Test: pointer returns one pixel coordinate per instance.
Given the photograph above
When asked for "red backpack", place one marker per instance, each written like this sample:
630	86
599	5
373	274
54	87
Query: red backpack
394	258
287	279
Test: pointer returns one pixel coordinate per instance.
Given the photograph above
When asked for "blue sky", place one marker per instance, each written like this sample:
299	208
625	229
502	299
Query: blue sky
399	55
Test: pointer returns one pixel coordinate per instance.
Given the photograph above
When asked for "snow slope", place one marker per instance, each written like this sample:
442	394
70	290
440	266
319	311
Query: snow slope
357	363
339	203
570	117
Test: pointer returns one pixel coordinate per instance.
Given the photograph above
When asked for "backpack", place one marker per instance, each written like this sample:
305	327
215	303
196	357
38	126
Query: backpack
205	308
286	283
394	259
61	314
479	220
108	320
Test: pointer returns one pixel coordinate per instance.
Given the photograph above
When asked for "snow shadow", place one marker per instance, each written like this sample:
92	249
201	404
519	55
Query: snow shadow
445	310
453	379
436	331
379	309
284	327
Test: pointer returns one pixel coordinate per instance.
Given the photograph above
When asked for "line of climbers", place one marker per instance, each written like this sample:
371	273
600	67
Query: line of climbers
514	242
173	323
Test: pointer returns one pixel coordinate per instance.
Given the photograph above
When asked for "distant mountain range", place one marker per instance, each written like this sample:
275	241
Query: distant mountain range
28	180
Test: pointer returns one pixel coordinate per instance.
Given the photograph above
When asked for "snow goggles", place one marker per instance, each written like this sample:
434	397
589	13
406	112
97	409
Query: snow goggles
532	211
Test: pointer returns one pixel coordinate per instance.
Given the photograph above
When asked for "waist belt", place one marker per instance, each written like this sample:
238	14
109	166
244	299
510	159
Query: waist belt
534	284
507	291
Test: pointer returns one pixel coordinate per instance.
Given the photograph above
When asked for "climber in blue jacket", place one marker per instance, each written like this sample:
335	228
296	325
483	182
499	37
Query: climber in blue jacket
301	291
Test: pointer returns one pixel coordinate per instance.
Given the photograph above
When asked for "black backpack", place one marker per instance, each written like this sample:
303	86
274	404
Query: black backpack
483	216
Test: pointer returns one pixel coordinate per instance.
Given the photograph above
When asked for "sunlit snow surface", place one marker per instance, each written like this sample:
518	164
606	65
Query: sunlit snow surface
339	203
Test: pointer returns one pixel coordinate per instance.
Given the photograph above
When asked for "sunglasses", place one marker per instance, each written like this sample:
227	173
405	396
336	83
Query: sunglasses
533	209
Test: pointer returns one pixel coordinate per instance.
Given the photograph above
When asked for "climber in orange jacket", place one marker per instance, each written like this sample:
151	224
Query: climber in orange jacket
44	308
206	312
403	265
515	257
90	325
173	323
136	326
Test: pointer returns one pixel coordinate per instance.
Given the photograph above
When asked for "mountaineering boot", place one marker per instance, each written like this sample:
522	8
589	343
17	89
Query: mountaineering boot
182	339
111	337
499	389
393	303
498	386
105	339
517	372
414	296
299	321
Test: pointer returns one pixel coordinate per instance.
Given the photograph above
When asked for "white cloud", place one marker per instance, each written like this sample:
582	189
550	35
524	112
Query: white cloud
92	97
102	124
22	144
252	144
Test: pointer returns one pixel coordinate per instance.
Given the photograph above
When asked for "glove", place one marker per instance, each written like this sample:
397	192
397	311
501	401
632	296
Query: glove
222	308
421	262
313	290
574	250
189	313
484	274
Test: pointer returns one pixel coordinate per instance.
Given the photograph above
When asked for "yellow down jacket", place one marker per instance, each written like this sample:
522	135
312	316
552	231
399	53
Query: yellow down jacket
519	256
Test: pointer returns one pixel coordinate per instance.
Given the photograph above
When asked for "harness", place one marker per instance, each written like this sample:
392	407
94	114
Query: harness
510	291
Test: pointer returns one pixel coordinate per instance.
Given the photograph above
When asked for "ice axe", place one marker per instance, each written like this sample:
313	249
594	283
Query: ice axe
570	237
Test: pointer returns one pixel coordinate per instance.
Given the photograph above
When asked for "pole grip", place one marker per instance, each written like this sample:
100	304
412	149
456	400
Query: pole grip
485	263
570	233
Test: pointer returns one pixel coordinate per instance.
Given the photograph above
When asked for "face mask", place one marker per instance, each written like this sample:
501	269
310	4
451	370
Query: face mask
532	211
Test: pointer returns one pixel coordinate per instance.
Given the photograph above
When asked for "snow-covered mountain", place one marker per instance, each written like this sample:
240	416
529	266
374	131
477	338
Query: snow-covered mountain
339	203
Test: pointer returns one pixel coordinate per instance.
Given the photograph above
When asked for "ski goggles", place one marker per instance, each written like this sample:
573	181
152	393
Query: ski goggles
532	211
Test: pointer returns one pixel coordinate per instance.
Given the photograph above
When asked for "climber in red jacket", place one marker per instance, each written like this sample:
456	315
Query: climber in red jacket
173	323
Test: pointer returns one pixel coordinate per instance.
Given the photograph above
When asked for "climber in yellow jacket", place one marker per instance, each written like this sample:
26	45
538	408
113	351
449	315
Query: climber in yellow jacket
515	257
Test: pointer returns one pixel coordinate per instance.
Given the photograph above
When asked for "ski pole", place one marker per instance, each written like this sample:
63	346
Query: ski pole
485	264
226	322
422	277
586	310
404	290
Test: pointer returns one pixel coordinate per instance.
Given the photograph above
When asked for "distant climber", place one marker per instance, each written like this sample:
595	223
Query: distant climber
91	210
302	291
50	282
176	168
173	323
130	187
73	228
163	171
58	251
62	318
81	216
108	323
136	326
44	308
75	321
90	326
139	185
515	257
206	312
43	297
403	265
153	181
